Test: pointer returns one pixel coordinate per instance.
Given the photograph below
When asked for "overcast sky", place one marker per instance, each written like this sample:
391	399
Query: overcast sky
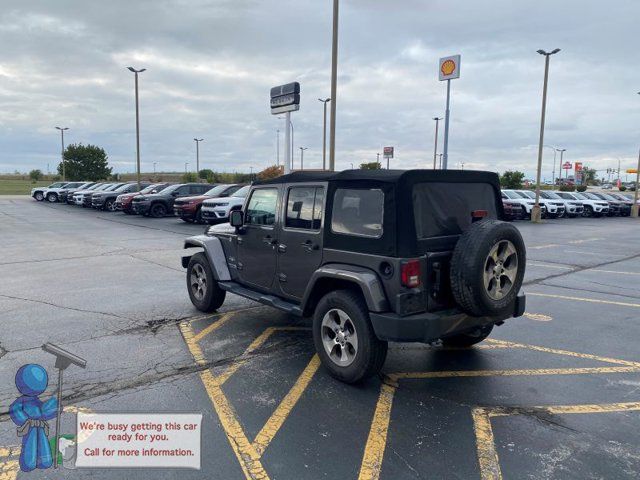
210	65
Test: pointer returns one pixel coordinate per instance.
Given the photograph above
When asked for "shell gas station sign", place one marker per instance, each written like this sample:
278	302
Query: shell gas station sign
449	67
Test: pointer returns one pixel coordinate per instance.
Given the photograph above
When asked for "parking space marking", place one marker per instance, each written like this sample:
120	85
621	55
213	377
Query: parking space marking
214	326
584	240
614	271
377	440
540	247
248	453
376	444
583	299
546	265
485	440
538	317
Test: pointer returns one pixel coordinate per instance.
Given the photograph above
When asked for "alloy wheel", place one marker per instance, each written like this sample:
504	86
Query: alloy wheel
198	282
500	269
339	337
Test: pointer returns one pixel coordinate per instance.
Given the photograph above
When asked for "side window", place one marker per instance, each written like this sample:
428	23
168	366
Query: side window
304	208
200	189
182	191
261	209
358	212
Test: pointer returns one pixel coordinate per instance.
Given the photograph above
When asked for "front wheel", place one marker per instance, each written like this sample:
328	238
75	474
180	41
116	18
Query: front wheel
39	196
468	339
588	211
158	210
204	291
344	338
110	205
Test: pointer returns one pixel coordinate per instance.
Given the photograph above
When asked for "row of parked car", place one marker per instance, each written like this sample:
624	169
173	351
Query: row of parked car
555	204
192	202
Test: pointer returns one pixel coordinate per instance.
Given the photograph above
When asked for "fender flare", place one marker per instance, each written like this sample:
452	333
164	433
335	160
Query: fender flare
367	281
215	254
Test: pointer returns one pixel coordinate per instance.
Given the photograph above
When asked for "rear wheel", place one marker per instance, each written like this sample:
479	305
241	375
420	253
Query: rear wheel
204	291
52	197
344	338
198	217
158	210
469	338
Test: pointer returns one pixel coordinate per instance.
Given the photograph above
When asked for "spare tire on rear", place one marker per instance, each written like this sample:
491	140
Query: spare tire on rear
487	268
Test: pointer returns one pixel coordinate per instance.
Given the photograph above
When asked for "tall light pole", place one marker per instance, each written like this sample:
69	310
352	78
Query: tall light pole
324	133
378	158
553	174
536	215
198	140
334	93
634	208
186	167
64	171
302	149
154	167
136	72
440	155
435	146
561	150
278	147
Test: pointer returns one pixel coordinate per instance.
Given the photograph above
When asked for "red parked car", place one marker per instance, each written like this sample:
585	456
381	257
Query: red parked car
124	202
188	208
512	210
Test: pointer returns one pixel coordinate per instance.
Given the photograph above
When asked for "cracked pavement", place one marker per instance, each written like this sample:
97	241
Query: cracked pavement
111	289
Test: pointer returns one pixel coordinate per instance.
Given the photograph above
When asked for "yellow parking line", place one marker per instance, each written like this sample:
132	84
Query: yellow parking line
269	430
582	299
377	440
511	373
567	353
485	445
245	453
485	440
213	327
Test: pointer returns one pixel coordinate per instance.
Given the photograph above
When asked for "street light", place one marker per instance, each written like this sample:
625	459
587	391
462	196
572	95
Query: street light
435	146
302	149
324	133
561	150
378	158
440	163
198	140
186	167
154	167
553	174
634	208
535	211
278	148
136	72
334	82
62	129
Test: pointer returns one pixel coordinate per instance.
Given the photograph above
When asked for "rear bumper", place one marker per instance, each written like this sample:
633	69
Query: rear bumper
431	326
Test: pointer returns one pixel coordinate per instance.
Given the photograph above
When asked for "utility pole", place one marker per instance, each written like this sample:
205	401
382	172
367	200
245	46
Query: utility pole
334	93
324	133
154	167
435	143
536	215
440	155
198	140
278	147
634	208
302	149
186	167
136	72
64	172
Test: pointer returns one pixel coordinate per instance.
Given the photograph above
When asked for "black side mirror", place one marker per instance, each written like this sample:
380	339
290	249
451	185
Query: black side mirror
236	218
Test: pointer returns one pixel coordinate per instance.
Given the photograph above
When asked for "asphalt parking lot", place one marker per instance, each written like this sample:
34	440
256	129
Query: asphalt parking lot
553	394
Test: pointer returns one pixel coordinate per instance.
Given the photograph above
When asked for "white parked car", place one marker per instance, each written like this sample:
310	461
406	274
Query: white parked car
38	192
525	202
592	208
55	194
554	209
572	208
218	209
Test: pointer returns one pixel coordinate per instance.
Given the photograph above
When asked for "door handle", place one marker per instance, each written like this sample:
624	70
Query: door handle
269	241
282	248
309	246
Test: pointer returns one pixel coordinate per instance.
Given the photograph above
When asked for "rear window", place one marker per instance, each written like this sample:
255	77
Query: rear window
358	212
442	208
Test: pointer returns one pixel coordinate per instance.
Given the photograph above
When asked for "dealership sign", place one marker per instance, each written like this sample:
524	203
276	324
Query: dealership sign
387	152
578	166
566	166
285	98
449	67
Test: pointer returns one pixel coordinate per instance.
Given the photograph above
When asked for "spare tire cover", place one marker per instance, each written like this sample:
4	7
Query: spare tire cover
487	268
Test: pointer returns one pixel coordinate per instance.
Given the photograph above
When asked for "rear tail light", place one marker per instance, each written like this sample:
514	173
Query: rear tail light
410	273
479	214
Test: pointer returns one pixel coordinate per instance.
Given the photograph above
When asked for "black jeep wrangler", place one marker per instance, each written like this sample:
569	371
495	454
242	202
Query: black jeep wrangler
373	256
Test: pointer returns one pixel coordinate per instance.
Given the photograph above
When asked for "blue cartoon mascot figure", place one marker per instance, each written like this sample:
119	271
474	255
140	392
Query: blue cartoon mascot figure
30	414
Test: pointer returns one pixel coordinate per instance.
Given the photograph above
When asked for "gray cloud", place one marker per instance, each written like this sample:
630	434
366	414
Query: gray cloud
211	63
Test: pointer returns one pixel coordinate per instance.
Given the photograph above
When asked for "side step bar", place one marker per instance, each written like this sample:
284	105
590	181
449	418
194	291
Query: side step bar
263	298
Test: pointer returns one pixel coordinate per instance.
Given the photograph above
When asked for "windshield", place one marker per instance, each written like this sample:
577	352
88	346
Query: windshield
151	188
565	195
95	187
242	192
550	195
592	196
171	188
121	188
217	190
56	185
580	196
112	187
522	194
512	195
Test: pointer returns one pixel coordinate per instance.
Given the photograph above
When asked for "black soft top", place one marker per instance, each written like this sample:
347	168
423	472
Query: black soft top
400	177
441	208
